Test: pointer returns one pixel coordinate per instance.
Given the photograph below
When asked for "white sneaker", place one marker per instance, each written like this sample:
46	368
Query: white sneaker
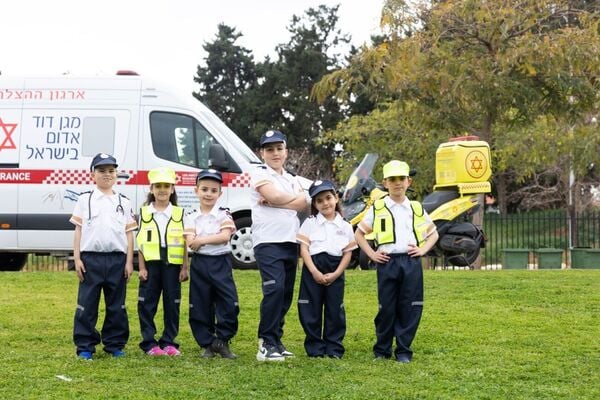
268	352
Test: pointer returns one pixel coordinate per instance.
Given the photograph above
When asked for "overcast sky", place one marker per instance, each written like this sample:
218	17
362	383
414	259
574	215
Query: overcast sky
158	38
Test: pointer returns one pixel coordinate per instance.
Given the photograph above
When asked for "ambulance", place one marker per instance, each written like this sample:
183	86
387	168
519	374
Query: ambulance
51	128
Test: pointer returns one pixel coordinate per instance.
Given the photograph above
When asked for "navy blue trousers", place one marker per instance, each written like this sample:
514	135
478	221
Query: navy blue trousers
214	306
277	263
323	336
104	274
162	278
400	294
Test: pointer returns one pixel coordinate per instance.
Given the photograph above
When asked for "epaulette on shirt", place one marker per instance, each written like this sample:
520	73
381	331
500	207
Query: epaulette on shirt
262	166
86	192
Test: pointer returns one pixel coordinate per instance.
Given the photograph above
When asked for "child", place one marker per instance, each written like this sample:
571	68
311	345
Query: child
404	232
103	255
326	244
276	198
214	304
162	262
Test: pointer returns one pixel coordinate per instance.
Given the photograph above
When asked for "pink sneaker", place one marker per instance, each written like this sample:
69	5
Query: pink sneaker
156	351
171	351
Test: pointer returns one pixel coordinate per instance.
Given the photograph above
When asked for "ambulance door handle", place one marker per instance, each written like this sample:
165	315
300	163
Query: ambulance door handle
122	175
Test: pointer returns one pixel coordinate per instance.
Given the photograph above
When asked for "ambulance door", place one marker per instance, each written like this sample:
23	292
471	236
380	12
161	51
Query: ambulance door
61	142
11	175
179	141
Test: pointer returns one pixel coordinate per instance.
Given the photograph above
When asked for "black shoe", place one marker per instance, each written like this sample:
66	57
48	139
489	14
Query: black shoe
222	348
207	353
283	351
403	358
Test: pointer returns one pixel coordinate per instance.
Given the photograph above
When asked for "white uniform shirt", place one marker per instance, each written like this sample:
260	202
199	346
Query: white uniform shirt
403	225
162	219
196	223
103	222
321	235
271	224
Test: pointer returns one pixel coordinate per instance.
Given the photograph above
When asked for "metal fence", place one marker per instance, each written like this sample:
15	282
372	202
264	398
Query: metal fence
45	263
536	230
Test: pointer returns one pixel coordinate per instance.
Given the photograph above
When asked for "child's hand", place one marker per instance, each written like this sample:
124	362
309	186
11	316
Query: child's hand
262	201
80	269
380	257
330	278
319	277
128	270
183	274
415	251
143	274
197	243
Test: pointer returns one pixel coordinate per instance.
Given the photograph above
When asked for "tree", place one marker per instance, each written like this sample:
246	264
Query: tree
229	74
283	97
514	73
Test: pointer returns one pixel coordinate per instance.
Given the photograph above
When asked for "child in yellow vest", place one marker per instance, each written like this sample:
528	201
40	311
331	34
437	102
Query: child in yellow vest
162	263
404	232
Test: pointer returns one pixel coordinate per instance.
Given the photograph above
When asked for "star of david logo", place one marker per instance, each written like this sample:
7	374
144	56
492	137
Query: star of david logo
476	164
8	129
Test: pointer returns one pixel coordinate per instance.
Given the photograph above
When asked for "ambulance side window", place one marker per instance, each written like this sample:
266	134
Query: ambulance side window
97	136
180	138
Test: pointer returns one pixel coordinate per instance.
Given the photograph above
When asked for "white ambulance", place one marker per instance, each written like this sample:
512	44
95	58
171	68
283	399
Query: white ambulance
50	129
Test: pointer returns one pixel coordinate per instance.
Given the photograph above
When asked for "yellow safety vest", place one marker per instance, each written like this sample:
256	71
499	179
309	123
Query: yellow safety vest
383	223
148	237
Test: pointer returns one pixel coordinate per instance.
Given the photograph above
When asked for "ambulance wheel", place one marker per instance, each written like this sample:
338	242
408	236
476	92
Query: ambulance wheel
241	244
12	261
364	261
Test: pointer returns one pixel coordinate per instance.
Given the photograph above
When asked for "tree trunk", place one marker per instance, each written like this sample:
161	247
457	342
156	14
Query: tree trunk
500	180
478	221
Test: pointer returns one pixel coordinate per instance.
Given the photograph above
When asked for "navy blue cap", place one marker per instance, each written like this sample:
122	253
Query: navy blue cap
209	174
272	137
103	159
320	186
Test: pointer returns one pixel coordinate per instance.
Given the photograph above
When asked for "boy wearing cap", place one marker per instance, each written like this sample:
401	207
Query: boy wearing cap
214	306
276	199
326	244
403	233
103	255
163	263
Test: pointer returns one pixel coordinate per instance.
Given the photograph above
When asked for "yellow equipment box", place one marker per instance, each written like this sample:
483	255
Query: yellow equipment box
462	160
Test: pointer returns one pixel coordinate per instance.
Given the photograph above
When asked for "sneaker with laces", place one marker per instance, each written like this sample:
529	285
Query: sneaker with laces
156	352
118	354
207	353
172	351
222	348
85	355
283	351
268	352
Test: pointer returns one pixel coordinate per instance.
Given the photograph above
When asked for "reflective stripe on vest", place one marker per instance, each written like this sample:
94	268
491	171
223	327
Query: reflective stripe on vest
148	239
383	223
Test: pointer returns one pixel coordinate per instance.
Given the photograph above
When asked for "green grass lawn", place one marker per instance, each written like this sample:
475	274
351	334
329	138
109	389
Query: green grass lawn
484	335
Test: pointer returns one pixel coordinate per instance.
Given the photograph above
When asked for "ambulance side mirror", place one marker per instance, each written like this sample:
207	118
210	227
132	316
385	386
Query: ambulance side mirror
218	158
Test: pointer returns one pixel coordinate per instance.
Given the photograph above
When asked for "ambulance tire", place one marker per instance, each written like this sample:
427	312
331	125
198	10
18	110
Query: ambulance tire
12	261
364	261
241	245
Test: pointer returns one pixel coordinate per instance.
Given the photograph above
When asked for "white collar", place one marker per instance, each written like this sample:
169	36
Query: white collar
167	210
337	221
389	202
214	211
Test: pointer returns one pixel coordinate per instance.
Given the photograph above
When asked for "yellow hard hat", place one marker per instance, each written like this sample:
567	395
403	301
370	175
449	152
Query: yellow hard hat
164	175
395	168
